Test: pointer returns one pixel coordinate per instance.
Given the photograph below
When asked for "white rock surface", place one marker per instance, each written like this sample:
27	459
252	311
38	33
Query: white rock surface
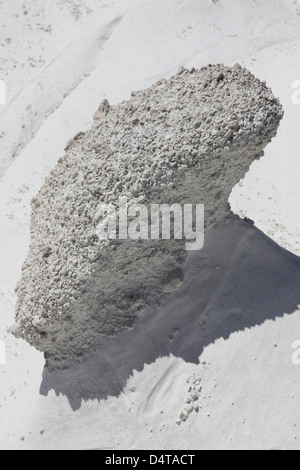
250	388
188	139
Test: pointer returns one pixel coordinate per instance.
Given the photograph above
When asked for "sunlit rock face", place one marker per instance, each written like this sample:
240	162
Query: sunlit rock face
186	140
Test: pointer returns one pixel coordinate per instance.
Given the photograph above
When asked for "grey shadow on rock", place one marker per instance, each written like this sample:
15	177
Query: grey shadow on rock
240	279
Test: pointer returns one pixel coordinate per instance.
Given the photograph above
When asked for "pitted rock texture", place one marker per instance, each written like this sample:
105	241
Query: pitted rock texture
188	139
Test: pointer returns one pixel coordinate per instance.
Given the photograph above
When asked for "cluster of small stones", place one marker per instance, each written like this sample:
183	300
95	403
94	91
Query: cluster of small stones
133	148
191	401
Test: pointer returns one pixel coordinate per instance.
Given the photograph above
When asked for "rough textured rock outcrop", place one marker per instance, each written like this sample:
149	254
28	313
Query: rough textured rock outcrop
188	139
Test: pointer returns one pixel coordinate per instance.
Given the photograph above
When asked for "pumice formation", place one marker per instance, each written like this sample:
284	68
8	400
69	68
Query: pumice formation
185	140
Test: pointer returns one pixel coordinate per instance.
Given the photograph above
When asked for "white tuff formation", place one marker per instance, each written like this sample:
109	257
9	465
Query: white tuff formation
188	139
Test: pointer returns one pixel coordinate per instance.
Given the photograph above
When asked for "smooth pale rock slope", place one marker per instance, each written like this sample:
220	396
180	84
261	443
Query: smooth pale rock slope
188	139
